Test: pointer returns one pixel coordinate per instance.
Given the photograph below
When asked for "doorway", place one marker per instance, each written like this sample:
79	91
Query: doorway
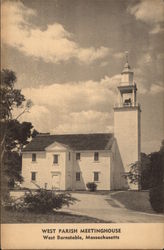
56	181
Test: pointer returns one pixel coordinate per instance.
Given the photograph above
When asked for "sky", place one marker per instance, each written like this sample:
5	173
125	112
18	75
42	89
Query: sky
68	56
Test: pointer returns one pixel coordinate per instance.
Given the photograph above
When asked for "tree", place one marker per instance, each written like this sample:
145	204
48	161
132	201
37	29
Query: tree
149	172
17	135
156	193
14	135
10	98
153	168
12	168
34	133
156	168
134	174
145	171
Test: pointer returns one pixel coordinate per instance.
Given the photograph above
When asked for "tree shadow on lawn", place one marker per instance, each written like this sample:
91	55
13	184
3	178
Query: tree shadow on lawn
134	200
16	217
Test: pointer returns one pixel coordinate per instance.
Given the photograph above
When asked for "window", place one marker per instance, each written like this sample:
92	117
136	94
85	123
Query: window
77	156
69	156
33	157
77	176
96	176
96	156
33	176
56	159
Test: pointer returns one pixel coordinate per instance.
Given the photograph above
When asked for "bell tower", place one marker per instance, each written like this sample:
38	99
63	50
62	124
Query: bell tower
127	120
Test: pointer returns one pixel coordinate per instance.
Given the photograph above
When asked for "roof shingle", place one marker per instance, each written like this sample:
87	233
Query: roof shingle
98	141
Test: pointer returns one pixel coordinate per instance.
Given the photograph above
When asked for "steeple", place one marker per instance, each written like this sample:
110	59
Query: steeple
127	120
127	73
127	88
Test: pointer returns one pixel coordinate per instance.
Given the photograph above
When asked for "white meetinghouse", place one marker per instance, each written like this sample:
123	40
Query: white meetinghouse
70	161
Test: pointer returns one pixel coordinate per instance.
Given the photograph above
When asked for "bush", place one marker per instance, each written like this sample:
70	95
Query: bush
14	204
92	186
156	197
42	201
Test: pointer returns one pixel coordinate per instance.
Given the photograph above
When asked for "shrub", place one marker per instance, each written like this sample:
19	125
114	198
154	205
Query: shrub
91	186
42	201
15	204
156	197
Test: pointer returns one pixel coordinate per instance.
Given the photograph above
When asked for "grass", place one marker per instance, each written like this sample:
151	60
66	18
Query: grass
54	217
134	200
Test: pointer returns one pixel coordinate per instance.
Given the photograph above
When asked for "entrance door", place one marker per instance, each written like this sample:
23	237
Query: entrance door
55	181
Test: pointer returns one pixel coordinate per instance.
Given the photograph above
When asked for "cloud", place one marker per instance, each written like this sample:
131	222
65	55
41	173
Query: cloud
146	58
160	56
91	54
119	55
88	94
73	107
78	107
156	88
157	29
54	44
85	122
145	89
145	81
153	90
150	12
39	116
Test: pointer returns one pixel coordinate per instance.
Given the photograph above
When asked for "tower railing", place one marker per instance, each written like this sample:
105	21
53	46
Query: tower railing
126	105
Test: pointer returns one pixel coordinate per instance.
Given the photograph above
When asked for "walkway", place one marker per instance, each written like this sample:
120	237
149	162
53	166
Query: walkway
97	206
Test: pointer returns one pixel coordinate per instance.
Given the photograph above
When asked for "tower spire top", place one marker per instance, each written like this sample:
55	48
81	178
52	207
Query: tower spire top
127	54
127	68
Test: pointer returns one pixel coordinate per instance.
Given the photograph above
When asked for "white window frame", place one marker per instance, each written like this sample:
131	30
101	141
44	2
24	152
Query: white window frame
98	175
69	156
96	156
56	163
78	179
78	158
33	157
33	172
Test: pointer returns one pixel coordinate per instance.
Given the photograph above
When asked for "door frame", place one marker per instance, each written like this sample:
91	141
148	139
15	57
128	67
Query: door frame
55	174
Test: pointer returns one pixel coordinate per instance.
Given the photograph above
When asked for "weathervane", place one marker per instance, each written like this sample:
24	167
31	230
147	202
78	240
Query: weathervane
126	54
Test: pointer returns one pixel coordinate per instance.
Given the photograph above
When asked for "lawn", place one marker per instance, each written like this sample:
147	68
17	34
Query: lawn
54	217
134	200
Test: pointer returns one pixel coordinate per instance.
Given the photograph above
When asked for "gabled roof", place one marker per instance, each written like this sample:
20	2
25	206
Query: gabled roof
98	141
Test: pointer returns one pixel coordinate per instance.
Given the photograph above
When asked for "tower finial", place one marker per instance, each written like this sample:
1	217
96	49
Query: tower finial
126	54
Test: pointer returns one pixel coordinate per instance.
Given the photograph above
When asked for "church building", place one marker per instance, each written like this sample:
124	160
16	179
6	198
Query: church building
70	161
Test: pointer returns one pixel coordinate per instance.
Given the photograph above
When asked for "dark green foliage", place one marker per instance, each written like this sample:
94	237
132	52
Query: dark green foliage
153	179
156	168
134	174
34	133
92	186
145	172
9	97
156	196
16	134
13	134
150	171
12	167
14	205
41	201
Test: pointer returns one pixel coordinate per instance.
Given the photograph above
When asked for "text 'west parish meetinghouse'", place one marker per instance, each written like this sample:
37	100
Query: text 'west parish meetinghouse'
70	161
